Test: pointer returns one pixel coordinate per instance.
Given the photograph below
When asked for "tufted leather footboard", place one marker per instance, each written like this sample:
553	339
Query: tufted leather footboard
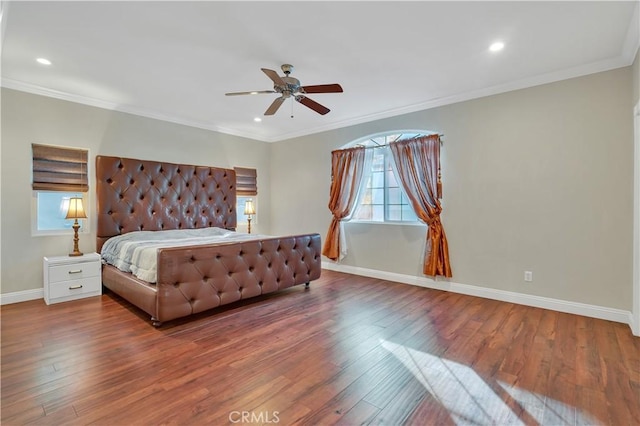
194	279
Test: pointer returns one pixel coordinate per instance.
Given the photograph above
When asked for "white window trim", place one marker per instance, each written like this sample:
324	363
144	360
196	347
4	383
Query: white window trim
390	222
388	133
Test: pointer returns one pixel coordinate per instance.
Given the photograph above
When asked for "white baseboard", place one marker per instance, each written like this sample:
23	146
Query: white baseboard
21	296
635	329
577	308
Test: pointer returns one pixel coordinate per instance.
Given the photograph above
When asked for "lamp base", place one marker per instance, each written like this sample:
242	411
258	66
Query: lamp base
76	251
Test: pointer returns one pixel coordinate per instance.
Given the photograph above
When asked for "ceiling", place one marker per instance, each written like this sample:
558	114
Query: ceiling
176	60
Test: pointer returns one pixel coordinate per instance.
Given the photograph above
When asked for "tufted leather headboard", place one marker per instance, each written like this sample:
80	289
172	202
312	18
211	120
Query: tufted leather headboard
138	195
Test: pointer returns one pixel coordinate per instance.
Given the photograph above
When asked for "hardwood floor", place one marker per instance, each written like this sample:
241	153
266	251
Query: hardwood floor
349	350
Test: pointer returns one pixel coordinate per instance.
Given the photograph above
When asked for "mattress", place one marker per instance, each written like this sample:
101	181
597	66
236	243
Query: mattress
136	252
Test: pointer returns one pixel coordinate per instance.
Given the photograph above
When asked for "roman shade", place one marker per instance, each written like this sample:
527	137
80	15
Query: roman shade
246	181
59	169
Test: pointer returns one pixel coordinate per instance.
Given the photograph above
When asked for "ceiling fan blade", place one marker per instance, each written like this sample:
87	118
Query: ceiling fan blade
320	109
273	76
322	88
255	92
274	106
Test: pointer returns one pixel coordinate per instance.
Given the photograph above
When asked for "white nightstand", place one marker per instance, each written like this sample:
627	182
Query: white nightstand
70	278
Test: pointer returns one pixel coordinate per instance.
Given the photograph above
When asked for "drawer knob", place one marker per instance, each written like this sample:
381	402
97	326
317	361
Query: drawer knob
75	287
77	271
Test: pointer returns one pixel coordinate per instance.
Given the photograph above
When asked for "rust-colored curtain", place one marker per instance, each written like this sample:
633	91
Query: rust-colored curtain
347	171
417	162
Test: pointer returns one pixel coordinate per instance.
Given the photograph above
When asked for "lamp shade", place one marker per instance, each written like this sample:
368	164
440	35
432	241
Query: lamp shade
76	209
249	208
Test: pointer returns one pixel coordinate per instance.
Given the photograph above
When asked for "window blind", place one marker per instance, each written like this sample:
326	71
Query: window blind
59	169
246	181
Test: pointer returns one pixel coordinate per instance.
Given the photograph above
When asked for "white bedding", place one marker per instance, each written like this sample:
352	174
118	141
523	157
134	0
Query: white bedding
136	252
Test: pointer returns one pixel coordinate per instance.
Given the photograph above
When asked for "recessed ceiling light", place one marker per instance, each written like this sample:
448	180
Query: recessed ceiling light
497	46
43	61
257	119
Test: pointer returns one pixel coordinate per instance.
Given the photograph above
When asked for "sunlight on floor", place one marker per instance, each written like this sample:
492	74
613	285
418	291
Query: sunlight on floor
470	400
547	410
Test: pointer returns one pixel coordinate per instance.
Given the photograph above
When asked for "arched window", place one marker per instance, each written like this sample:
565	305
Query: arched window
382	198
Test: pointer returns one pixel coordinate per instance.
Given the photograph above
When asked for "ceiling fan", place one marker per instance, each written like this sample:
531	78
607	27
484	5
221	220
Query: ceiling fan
289	87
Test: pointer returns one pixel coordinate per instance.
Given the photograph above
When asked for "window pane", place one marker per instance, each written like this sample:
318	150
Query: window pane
408	214
241	218
394	212
367	184
363	212
391	180
377	165
394	196
365	198
377	180
380	140
378	213
51	210
404	198
377	196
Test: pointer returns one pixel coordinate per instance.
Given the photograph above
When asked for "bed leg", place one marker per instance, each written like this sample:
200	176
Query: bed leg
155	322
306	285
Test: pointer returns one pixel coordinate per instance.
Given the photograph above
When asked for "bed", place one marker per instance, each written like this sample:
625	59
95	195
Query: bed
137	196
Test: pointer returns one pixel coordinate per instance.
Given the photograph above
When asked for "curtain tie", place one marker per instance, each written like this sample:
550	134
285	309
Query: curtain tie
433	219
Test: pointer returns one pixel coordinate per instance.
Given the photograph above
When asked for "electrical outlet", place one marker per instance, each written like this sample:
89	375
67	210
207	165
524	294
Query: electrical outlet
528	276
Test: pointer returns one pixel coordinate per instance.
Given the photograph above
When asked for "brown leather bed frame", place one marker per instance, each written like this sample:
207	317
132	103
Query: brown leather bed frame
135	195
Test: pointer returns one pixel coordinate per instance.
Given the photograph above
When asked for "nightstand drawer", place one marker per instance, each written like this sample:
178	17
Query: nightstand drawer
69	278
73	271
75	287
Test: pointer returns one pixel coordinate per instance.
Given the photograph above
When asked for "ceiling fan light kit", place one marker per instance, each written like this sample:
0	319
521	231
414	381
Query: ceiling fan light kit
289	87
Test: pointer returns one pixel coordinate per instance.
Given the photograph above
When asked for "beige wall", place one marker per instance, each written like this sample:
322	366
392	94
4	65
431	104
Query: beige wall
536	179
636	78
30	118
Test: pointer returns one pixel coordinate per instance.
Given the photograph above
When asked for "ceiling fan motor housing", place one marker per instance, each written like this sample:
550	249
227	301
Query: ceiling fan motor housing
292	85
